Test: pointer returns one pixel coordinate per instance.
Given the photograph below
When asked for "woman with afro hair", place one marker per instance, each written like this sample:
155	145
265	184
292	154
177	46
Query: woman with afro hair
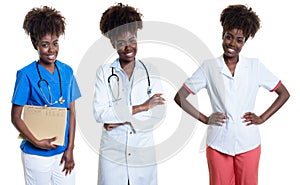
232	82
46	82
125	102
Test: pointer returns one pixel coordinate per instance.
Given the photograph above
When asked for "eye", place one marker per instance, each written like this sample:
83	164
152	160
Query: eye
228	36
120	44
55	43
132	40
45	45
241	40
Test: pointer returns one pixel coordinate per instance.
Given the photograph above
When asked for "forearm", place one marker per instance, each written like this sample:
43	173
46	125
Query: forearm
67	158
24	131
139	108
191	110
283	96
72	126
181	100
155	100
19	124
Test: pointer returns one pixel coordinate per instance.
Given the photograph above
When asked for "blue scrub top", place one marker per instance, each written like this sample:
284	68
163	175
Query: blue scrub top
27	92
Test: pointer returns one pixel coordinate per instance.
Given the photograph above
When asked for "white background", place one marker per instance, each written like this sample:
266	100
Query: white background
276	45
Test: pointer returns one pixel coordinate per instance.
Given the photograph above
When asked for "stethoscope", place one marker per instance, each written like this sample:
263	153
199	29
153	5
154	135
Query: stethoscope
61	100
113	75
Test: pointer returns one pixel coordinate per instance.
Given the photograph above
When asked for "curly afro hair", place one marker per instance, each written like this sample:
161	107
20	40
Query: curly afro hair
119	19
240	17
41	21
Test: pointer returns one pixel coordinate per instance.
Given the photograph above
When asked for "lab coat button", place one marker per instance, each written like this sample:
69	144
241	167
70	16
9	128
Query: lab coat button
129	154
130	132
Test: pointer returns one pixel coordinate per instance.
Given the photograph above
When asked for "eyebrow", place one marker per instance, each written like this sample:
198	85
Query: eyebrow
236	37
48	41
125	40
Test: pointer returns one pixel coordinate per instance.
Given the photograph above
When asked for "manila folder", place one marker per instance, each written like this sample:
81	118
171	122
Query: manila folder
46	122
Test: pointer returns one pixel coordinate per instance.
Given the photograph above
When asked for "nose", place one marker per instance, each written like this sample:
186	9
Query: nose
232	42
52	48
127	46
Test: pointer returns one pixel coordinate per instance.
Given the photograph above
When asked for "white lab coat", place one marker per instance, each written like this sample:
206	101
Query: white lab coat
125	155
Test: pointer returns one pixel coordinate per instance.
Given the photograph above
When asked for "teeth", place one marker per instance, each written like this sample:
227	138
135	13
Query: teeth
51	56
129	54
230	50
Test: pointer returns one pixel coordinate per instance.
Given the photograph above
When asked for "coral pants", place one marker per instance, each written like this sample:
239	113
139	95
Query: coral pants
241	169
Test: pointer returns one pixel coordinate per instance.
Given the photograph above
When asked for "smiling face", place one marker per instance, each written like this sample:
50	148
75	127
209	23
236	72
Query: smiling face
126	46
233	42
48	48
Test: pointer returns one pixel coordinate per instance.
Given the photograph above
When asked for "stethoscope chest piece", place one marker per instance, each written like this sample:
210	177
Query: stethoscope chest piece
61	100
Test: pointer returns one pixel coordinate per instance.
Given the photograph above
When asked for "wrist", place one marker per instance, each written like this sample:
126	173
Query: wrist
263	118
70	147
145	107
204	119
33	141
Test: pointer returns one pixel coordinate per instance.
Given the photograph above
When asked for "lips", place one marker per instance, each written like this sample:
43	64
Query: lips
129	55
231	50
51	57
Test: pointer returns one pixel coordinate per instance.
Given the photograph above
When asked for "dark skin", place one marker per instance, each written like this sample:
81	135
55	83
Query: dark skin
127	49
233	42
48	49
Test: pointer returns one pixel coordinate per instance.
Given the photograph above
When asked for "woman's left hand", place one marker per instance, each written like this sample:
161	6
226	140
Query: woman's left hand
155	100
252	118
68	161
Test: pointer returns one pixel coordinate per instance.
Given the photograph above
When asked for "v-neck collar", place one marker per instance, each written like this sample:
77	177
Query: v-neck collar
46	71
240	66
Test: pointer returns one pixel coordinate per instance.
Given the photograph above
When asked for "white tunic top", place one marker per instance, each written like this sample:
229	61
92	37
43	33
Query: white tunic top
232	96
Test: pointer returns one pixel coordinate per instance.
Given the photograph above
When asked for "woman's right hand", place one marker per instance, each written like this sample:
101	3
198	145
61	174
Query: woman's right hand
216	118
46	144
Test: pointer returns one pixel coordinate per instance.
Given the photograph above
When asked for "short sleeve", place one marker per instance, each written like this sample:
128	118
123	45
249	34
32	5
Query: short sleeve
21	90
196	82
267	79
75	92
